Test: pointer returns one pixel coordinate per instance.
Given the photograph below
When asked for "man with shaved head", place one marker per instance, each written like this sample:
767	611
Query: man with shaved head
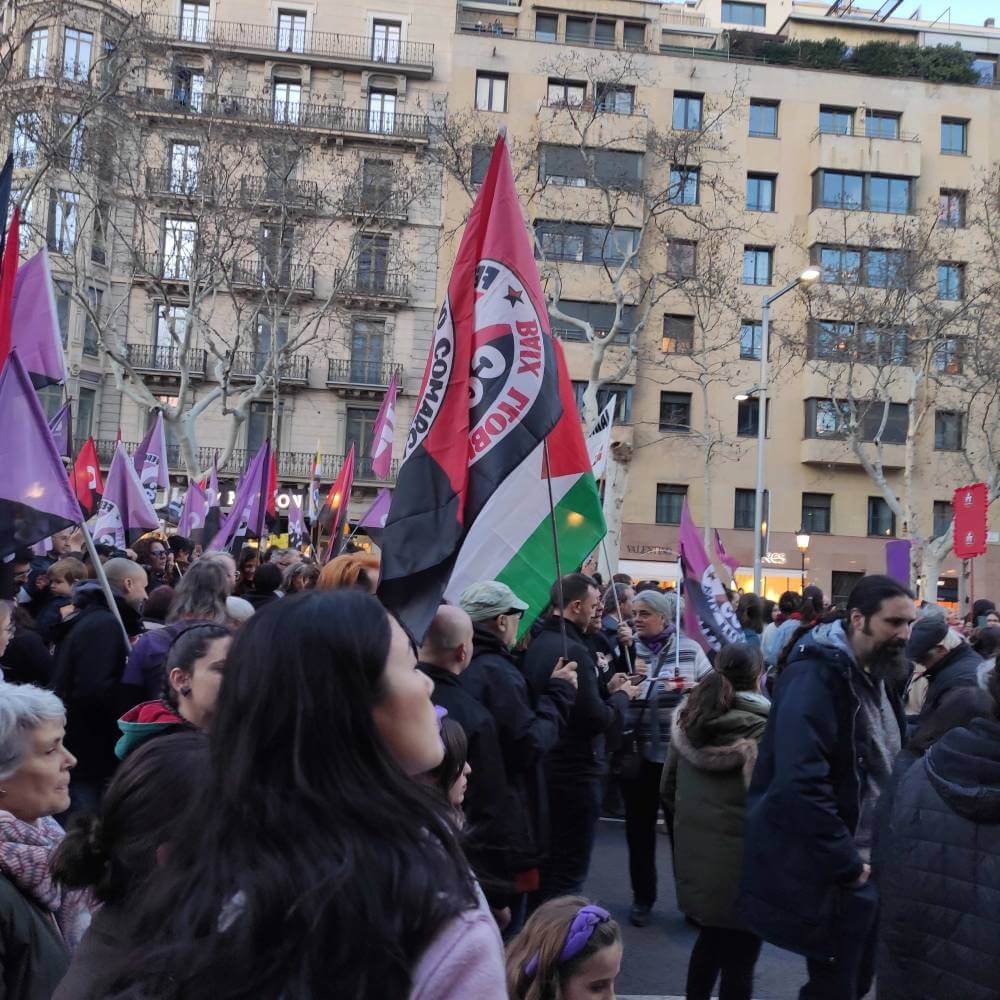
89	661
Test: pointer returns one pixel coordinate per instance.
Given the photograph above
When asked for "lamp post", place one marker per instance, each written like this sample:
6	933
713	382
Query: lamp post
806	277
802	541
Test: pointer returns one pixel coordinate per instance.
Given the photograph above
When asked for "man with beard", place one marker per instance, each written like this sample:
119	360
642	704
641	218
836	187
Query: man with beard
835	728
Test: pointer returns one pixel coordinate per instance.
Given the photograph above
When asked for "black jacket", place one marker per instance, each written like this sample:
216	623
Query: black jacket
528	727
804	801
954	697
940	877
49	616
27	660
33	956
580	752
89	662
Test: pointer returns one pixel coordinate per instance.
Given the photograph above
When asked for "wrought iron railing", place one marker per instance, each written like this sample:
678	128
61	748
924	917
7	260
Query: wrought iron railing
154	358
292	194
378	204
247	364
348	371
259	272
180	183
374	284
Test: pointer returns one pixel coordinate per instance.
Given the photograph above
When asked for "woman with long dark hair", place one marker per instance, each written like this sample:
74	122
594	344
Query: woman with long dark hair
314	865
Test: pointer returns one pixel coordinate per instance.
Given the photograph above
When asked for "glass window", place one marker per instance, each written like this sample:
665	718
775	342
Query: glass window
675	411
91	329
683	185
951	208
194	22
986	67
600	316
634	36
885	268
669	503
51	398
184	159
546	26
760	192
682	258
615	98
63	218
292	31
171	325
25	141
954	135
882	124
481	156
751	335
678	335
747	411
942	517
840	265
491	91
881	520
102	227
687	111
951	281
621	394
764	118
579	30
889	194
77	49
63	291
832	340
360	424
948	428
735	12
367	344
836	121
816	513
604	34
566	93
948	356
180	237
757	262
85	406
189	89
382	111
883	346
385	41
840	190
288	100
744	509
259	424
373	262
38	53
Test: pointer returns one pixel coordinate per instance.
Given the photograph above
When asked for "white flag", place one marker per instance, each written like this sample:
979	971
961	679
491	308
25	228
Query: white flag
599	440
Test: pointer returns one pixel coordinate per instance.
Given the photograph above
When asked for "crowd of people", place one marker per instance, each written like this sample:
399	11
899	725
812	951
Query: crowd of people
245	778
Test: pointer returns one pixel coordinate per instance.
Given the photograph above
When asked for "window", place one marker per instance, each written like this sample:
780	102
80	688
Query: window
566	93
885	268
272	332
382	111
24	235
546	26
360	424
842	582
753	14
634	36
171	325
63	298
480	162
63	217
385	41
760	192
948	357
669	503
102	226
682	258
678	335
378	181
578	241
579	30
942	517
757	262
831	340
373	262
744	509
491	91
91	330
948	430
840	190
287	101
180	237
604	33
260	424
954	136
747	411
986	67
840	265
683	185
882	124
85	412
951	208
38	52
571	167
51	398
951	281
687	111
184	158
600	316
367	347
675	411
615	98
889	194
621	394
816	513
69	152
77	49
828	419
24	145
194	21
764	118
836	121
276	243
292	31
881	520
883	346
189	88
751	336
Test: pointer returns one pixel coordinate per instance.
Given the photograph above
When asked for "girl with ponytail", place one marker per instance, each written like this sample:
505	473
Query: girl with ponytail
713	750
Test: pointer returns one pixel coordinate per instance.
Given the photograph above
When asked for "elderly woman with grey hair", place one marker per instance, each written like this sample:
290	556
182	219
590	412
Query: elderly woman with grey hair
671	664
40	922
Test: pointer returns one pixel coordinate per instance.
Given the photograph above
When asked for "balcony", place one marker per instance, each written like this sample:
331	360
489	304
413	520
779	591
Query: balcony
361	378
861	153
283	276
247	365
266	113
165	362
378	205
386	289
269	194
176	270
836	453
331	49
189	185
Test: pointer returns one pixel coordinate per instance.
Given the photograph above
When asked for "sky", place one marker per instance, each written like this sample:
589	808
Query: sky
962	11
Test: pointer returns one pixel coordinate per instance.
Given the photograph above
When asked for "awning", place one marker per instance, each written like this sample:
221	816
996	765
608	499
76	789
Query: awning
648	569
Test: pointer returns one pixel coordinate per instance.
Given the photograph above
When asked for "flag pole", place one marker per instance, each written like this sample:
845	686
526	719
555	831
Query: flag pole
555	550
102	579
618	607
677	624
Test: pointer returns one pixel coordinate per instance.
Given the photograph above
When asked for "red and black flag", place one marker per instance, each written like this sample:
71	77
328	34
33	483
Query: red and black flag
87	482
490	395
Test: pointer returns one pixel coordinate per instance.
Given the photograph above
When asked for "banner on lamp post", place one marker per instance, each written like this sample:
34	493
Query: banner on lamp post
969	506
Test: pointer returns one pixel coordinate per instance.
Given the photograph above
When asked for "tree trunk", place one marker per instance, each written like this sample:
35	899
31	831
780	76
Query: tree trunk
615	485
706	471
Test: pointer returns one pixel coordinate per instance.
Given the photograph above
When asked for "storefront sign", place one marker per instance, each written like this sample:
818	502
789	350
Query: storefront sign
775	559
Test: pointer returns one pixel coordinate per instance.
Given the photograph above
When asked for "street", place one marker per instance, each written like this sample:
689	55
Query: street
656	956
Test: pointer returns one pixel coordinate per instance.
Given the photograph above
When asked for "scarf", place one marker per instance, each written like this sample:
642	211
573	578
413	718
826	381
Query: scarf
795	616
657	642
25	851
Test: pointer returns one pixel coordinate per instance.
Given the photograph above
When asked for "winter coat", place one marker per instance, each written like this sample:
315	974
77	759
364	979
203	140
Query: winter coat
774	642
939	879
89	663
144	670
606	641
580	752
49	616
705	789
145	721
33	955
100	948
528	728
27	660
954	697
805	799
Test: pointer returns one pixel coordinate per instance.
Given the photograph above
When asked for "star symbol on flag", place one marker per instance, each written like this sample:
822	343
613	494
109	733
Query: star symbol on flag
513	296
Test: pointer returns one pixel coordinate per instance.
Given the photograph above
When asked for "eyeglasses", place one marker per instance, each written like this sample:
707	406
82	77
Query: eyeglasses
514	613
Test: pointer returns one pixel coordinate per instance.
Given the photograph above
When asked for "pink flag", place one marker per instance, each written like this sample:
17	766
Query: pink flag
35	322
723	556
709	618
383	432
150	460
193	512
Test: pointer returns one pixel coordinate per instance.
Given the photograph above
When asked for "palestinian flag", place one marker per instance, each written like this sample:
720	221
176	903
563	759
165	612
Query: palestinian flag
511	540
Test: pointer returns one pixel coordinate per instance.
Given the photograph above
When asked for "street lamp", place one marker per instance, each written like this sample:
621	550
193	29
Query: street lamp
809	275
802	541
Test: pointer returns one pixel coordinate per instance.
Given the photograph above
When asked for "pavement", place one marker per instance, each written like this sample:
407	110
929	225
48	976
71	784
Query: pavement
656	956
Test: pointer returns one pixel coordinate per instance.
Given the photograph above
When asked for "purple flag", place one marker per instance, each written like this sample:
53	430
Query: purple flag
709	618
193	512
213	515
150	460
124	512
723	556
384	431
60	427
375	516
246	519
35	322
297	533
897	560
35	496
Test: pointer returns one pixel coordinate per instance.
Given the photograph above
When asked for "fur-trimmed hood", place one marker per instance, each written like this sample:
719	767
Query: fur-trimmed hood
734	737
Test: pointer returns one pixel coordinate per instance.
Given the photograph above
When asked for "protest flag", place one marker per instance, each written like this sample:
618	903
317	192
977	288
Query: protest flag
246	518
213	513
150	460
383	432
193	512
731	562
599	440
87	482
334	511
125	511
35	329
60	425
297	534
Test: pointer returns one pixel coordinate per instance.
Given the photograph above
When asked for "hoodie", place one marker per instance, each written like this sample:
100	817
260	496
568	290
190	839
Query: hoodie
145	721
